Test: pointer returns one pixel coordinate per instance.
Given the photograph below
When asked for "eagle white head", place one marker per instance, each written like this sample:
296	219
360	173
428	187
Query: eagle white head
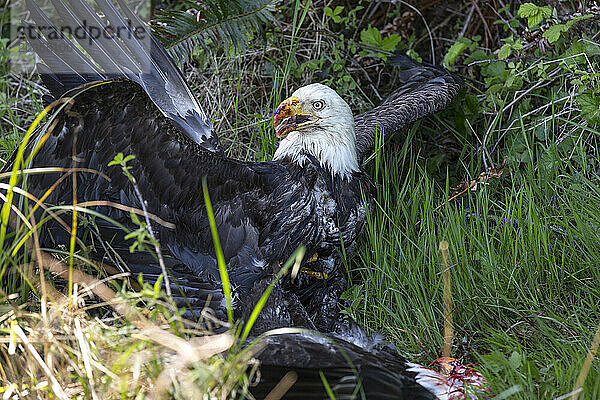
317	121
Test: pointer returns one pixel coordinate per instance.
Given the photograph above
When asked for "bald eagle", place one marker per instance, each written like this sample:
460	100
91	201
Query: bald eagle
117	93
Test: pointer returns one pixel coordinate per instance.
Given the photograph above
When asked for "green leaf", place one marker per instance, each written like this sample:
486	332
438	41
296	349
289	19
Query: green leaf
455	50
553	33
534	21
134	218
495	68
314	64
414	55
575	54
533	13
505	51
528	10
390	42
120	160
117	160
590	106
477	55
371	37
158	283
338	10
546	11
514	360
592	49
228	23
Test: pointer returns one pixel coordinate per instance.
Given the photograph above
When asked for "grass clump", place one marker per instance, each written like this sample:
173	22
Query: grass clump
524	270
76	348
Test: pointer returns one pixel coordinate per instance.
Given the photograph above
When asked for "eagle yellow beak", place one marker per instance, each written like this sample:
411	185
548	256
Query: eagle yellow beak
289	117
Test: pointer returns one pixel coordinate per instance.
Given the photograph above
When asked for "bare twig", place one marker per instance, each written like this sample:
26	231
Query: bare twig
587	364
467	20
283	386
426	27
473	184
447	288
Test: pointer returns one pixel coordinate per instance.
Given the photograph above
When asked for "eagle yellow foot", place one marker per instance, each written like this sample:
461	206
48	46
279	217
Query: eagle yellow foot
305	270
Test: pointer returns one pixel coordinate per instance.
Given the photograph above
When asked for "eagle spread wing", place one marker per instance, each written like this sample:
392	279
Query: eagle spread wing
117	51
425	89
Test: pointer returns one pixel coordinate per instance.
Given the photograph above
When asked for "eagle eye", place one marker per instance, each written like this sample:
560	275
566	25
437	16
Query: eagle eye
318	105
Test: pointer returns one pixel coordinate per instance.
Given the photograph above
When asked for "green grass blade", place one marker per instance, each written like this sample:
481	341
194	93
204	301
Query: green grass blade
218	251
14	175
326	385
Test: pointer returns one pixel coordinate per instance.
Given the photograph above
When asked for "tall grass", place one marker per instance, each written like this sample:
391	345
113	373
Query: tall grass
524	260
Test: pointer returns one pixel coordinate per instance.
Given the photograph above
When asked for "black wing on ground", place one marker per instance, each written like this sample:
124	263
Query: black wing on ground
426	89
114	46
350	372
